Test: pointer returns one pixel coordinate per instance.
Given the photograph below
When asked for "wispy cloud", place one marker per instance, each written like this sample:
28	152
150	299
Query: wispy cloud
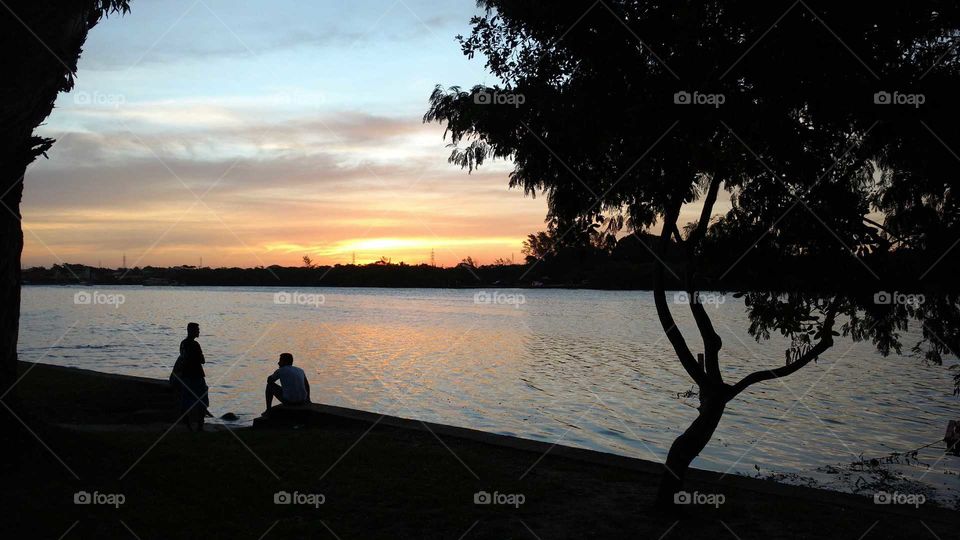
298	124
328	186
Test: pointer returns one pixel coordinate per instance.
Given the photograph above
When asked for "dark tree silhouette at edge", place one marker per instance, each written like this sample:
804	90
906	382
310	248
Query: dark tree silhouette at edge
41	44
611	130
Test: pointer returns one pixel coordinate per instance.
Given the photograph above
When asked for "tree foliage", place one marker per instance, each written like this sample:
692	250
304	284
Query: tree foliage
43	42
808	114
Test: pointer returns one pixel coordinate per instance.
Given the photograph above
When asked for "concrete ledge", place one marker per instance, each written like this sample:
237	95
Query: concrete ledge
319	416
93	397
156	384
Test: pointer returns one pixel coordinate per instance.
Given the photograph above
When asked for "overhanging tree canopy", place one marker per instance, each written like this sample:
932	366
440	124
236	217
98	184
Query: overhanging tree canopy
819	118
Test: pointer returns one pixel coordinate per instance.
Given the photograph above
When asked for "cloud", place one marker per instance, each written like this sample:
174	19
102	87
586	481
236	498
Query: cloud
332	183
298	123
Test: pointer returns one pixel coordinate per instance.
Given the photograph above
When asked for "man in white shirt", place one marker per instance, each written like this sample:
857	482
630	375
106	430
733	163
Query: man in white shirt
293	388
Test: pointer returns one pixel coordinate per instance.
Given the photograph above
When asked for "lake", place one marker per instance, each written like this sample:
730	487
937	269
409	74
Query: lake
578	367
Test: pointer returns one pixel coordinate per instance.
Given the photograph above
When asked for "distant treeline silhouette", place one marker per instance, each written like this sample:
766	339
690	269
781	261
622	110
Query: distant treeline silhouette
625	264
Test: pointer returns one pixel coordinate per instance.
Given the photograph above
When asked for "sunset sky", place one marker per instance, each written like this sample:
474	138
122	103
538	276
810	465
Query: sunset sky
214	128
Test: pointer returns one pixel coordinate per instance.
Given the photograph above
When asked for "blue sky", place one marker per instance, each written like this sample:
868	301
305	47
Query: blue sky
255	132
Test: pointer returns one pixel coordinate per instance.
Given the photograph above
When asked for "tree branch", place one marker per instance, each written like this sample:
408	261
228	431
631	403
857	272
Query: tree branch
882	228
670	328
706	212
711	340
826	341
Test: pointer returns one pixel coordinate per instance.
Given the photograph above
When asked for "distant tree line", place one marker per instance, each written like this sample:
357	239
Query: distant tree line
583	258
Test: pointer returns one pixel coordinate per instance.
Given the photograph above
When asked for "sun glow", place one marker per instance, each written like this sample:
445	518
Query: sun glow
196	154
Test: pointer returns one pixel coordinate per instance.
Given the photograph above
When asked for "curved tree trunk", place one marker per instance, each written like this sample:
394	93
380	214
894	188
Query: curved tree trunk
705	370
686	448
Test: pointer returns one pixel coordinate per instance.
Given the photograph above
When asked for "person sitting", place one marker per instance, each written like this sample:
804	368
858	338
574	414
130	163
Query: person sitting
293	388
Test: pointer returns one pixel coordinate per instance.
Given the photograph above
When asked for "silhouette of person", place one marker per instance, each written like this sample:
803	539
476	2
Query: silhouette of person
294	389
188	372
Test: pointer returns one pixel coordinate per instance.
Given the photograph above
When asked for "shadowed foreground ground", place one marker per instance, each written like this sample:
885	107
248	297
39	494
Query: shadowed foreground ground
393	483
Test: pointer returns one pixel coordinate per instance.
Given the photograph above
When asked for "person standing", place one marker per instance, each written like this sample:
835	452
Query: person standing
188	372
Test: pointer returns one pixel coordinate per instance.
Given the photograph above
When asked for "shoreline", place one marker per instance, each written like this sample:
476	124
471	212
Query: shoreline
320	415
73	430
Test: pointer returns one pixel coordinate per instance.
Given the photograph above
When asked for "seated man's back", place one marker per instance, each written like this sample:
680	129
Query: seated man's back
293	381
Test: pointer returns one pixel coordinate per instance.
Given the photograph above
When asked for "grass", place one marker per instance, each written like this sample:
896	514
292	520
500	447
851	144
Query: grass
381	483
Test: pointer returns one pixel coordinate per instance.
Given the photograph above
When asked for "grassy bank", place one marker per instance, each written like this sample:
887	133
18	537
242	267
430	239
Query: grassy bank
109	435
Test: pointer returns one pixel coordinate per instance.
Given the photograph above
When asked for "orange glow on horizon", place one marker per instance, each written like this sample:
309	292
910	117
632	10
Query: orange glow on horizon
410	250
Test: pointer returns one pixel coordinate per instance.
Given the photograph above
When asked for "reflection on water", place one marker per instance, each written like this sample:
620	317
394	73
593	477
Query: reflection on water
585	368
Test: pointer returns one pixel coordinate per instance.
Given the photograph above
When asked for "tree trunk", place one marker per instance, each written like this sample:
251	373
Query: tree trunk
11	247
43	41
687	447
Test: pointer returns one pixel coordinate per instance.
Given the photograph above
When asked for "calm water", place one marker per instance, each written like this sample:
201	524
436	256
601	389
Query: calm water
585	368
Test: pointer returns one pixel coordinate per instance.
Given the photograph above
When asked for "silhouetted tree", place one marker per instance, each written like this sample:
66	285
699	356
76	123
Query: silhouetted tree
537	246
41	44
581	240
632	109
